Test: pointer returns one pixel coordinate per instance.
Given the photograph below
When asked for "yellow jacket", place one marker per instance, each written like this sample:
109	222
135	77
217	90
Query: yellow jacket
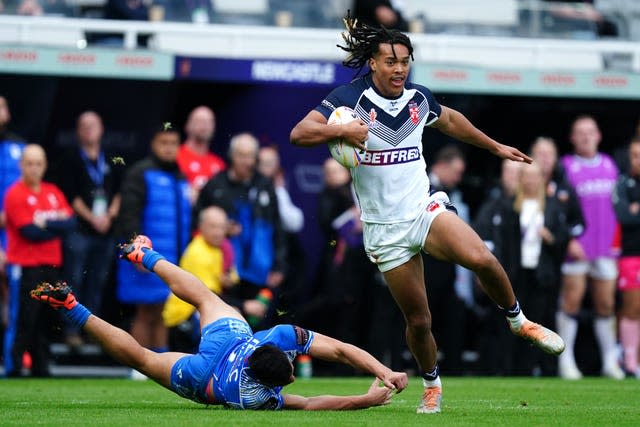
206	263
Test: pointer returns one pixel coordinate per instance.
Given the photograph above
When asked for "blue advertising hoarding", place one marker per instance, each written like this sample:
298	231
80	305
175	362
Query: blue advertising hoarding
322	73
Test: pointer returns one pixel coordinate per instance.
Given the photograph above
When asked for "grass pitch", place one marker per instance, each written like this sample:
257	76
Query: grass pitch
466	401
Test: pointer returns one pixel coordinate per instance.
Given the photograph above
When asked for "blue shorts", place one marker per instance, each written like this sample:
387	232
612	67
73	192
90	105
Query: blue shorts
191	374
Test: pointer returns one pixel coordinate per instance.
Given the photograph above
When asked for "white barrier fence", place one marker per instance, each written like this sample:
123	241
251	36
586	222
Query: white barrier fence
229	41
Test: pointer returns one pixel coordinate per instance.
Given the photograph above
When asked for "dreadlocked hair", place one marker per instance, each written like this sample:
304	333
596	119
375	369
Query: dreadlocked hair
363	42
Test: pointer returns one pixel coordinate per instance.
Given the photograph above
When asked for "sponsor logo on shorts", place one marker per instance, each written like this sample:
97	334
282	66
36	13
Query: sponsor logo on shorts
391	157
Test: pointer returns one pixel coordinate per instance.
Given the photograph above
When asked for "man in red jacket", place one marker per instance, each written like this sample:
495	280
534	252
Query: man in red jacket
37	214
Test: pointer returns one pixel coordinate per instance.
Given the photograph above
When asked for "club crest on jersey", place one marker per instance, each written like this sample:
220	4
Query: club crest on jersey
414	112
372	119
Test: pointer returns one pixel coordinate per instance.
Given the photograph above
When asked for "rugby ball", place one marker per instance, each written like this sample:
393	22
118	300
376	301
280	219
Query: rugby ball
346	154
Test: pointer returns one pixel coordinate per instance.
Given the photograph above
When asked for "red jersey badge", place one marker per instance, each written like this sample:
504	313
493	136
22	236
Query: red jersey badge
414	112
372	118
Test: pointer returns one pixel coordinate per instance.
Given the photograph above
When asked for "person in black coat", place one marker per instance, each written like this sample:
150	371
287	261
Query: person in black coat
528	234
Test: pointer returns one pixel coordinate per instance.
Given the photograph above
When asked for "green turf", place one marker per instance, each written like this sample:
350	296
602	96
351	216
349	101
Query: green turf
511	402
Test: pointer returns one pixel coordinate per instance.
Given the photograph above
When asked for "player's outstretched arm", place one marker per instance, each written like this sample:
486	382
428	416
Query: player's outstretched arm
456	125
375	396
333	350
314	130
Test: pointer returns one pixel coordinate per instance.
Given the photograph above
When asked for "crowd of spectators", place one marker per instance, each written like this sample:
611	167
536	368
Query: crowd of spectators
236	226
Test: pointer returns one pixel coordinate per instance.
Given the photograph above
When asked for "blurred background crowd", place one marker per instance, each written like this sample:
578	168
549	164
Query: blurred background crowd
220	204
582	19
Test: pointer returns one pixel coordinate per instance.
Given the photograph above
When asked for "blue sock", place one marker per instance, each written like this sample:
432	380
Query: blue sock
150	258
78	315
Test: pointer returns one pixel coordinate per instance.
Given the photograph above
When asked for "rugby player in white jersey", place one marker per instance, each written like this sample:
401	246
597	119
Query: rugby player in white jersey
400	216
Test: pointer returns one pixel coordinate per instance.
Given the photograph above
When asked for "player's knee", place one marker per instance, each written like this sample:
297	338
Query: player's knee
483	259
419	323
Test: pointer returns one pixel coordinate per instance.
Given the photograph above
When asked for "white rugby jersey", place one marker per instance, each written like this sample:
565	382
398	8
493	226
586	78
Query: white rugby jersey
391	182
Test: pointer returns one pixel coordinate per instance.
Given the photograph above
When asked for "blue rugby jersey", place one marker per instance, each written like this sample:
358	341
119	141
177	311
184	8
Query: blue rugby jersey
233	383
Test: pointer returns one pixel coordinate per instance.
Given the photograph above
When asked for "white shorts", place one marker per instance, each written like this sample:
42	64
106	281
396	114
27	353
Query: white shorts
601	268
391	245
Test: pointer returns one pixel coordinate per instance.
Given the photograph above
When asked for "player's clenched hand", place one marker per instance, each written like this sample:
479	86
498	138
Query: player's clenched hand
356	133
379	395
395	380
511	153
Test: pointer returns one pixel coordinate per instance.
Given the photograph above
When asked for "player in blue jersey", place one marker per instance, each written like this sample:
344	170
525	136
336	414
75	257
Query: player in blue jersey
400	217
233	367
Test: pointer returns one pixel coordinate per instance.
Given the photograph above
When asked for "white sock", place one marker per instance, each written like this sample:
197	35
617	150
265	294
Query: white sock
567	329
605	331
434	383
516	321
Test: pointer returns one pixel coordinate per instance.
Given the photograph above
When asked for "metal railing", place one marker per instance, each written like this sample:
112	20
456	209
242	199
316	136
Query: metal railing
228	41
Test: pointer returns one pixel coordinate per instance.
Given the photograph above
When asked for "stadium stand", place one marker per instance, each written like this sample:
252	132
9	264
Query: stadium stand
232	41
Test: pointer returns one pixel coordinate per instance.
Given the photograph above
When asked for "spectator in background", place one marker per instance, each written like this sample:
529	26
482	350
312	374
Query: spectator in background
545	154
508	184
493	339
450	286
580	17
135	10
196	11
544	235
37	216
195	160
256	233
292	218
335	200
626	202
386	13
11	146
155	202
528	235
589	257
269	166
35	7
90	181
122	10
621	152
29	8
